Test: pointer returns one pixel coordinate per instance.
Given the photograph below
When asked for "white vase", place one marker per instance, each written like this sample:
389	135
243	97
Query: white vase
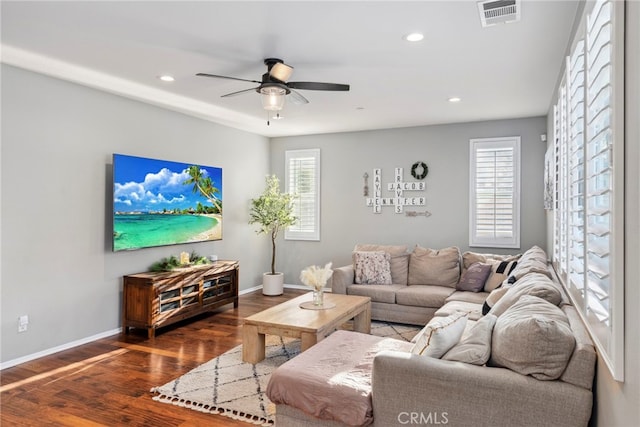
272	284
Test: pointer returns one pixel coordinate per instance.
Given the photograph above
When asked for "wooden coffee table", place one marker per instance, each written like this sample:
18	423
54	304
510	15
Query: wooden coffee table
310	326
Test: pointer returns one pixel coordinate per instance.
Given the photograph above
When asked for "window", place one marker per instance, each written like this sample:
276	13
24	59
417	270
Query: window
588	127
302	178
495	192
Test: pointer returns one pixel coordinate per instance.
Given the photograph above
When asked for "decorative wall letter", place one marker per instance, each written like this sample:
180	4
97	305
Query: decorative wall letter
397	187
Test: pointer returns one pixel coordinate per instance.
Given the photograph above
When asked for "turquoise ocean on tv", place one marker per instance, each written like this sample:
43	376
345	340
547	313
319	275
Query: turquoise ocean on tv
141	230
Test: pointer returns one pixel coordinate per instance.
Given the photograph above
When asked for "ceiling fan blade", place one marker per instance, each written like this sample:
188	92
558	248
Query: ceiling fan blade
297	98
317	86
240	92
226	77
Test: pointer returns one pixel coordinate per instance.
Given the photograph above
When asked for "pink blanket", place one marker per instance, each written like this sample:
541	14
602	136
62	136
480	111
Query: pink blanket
332	380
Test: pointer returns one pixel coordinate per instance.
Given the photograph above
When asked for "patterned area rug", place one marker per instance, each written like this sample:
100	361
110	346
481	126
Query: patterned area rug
228	386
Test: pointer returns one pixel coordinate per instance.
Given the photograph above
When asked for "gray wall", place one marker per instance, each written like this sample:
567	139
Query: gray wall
346	220
57	143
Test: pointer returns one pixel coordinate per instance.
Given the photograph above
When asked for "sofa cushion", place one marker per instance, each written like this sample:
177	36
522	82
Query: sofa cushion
534	284
390	249
474	310
474	278
440	334
534	260
377	293
372	267
399	260
582	364
474	348
474	297
400	269
423	295
500	271
434	267
533	337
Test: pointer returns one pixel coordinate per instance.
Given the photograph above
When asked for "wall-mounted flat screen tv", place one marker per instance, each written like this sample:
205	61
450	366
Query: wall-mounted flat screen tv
158	202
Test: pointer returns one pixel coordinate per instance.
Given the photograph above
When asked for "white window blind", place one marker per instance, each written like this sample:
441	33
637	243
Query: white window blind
575	171
588	251
563	198
599	164
302	177
556	187
495	192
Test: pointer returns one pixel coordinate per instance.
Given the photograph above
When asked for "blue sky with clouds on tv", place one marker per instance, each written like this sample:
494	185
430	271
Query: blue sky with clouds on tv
144	185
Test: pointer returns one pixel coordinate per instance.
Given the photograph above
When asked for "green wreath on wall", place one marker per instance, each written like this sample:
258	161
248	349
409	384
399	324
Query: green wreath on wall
421	175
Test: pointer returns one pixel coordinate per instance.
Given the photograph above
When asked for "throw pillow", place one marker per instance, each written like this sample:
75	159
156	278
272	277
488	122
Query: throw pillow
474	278
399	260
534	284
493	298
440	335
434	267
469	258
372	268
500	271
475	348
533	337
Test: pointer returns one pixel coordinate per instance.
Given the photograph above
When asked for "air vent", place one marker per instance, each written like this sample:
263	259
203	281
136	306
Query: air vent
499	12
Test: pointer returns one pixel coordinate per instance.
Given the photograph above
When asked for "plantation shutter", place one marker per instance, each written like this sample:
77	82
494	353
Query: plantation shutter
302	170
495	188
589	216
599	160
575	187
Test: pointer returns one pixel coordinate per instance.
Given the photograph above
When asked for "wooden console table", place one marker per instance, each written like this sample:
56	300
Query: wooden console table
152	300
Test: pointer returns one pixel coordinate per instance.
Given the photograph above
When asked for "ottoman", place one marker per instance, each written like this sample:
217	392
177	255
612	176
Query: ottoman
331	381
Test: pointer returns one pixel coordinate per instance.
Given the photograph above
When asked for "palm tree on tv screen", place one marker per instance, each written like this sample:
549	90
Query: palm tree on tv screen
204	185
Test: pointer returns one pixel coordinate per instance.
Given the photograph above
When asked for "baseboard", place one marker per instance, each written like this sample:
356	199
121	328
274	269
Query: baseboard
50	351
286	286
248	291
304	288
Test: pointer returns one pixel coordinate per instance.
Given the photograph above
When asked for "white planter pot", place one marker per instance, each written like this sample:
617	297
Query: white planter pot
272	284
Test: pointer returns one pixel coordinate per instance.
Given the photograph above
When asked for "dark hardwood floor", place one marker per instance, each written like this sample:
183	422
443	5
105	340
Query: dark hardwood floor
107	382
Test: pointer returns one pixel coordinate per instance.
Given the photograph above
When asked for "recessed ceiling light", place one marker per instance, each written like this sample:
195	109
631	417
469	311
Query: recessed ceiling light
414	37
166	78
454	99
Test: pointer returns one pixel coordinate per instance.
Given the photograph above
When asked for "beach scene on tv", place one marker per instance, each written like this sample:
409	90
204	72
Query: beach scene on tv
157	203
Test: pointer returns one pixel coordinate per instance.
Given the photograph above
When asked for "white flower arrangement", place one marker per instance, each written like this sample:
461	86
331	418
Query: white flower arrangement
315	276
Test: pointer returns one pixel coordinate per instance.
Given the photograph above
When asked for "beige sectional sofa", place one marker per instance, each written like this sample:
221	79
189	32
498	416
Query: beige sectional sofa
529	361
423	281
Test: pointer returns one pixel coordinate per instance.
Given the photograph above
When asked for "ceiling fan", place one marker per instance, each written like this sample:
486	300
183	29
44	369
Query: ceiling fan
274	86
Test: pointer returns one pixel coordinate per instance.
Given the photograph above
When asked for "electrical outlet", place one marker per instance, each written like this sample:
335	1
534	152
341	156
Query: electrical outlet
23	323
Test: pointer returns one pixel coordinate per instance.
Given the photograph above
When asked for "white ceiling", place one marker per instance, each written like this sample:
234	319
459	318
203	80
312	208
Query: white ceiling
504	71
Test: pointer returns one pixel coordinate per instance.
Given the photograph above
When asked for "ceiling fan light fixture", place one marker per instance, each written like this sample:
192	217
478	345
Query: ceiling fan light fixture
281	71
272	97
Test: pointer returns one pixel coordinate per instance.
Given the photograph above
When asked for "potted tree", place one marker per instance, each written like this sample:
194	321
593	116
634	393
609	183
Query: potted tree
273	211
